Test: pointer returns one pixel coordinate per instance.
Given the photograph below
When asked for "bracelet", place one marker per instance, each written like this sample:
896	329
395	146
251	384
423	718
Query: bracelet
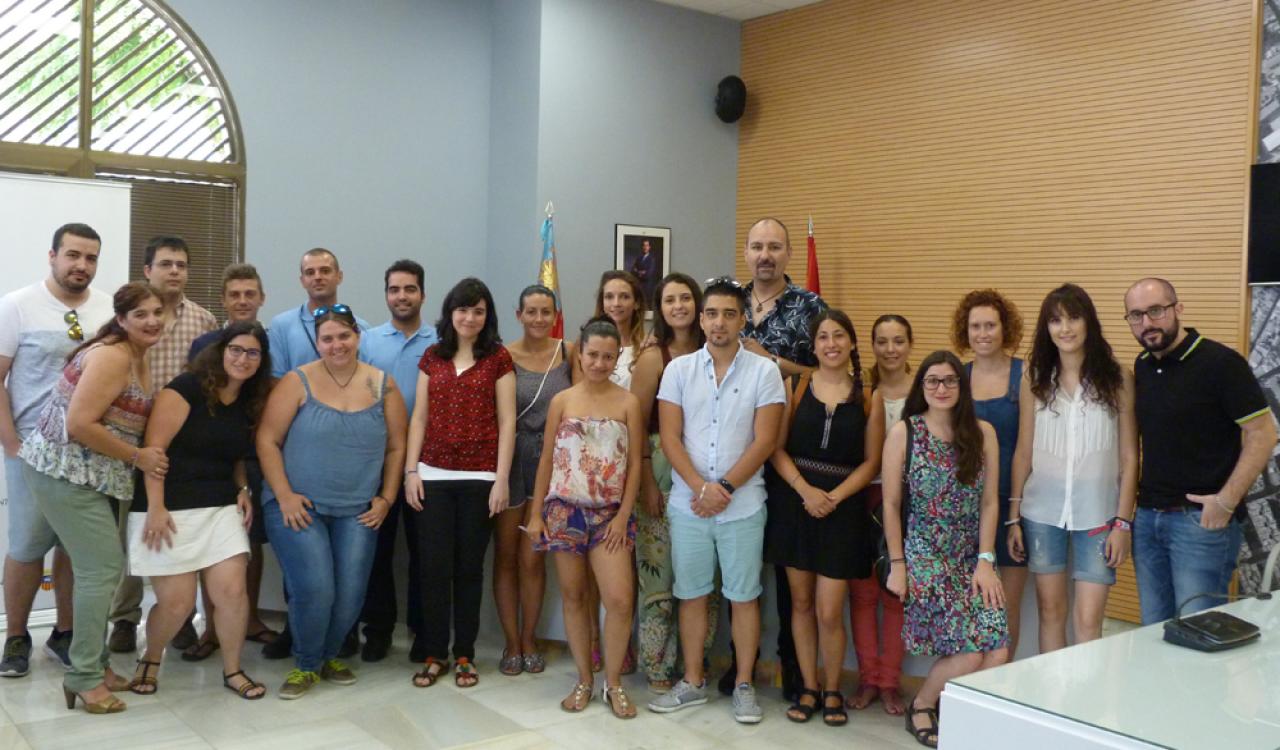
380	497
794	479
245	488
407	472
1012	521
897	559
133	462
1121	523
1013	500
1218	499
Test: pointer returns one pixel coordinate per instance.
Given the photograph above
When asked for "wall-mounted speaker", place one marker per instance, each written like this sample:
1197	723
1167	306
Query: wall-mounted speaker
731	98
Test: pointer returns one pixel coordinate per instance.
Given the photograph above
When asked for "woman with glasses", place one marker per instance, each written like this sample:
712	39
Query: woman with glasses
940	461
80	461
1076	467
457	473
581	509
988	324
819	529
677	331
543	367
194	521
331	444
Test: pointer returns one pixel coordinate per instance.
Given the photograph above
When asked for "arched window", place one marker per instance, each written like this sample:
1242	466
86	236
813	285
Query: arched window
121	89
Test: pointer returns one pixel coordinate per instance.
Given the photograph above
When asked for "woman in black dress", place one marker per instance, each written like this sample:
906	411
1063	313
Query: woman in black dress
819	527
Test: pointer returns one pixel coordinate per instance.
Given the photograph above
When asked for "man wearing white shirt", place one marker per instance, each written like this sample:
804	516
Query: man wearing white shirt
719	409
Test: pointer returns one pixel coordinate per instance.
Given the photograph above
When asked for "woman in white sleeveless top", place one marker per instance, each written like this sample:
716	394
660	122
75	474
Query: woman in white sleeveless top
1075	468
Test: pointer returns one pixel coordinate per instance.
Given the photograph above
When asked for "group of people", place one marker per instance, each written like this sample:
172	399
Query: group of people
662	467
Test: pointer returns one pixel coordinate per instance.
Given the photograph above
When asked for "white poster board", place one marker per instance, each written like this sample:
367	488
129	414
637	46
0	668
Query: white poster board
32	207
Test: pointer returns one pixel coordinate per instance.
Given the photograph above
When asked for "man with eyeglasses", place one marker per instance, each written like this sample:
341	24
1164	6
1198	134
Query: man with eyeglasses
293	332
39	326
777	327
1207	433
165	265
719	409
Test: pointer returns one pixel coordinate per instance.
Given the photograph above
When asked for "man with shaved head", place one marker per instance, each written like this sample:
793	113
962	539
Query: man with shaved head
1207	432
292	332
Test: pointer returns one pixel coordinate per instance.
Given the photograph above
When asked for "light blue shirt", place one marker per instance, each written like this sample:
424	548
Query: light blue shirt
387	349
292	336
719	422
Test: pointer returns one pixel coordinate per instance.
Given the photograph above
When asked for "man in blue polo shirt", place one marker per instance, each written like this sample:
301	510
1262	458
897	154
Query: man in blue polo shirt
396	347
1207	432
292	333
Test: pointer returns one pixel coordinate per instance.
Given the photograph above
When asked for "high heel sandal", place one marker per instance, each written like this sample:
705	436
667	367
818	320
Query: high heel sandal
146	680
109	705
619	703
577	700
834	716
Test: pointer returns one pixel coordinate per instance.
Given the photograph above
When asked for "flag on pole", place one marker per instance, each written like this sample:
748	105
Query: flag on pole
811	279
547	275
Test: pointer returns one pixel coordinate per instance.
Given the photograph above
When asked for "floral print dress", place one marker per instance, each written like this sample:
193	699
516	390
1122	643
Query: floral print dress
943	615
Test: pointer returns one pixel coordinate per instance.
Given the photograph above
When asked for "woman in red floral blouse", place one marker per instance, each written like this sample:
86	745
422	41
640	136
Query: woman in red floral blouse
461	439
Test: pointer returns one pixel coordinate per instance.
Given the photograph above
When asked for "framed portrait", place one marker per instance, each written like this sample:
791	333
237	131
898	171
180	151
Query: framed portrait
646	253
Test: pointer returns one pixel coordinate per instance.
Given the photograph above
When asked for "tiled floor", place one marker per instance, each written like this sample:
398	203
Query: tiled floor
384	710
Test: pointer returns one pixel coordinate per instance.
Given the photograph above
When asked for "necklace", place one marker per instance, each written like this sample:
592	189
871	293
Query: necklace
341	385
760	302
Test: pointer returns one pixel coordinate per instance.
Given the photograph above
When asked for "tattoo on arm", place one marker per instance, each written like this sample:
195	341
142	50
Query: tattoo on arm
373	389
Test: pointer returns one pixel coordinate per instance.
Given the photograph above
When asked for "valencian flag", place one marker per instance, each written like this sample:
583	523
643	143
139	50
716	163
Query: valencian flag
811	279
547	275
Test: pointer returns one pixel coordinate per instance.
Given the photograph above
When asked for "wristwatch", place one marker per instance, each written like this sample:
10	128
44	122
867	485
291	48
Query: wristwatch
725	484
245	489
988	556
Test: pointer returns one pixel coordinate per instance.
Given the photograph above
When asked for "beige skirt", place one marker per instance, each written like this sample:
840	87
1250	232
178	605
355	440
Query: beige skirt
205	536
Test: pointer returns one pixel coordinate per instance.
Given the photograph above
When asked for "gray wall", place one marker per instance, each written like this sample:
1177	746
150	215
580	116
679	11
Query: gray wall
627	135
366	131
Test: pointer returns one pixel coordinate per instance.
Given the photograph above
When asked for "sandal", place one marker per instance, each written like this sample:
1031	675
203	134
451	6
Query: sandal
145	684
264	636
245	687
432	668
891	701
535	663
834	716
802	712
619	703
864	696
577	700
511	665
464	673
200	651
926	735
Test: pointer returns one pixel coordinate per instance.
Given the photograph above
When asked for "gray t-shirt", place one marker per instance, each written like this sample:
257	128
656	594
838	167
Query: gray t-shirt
33	333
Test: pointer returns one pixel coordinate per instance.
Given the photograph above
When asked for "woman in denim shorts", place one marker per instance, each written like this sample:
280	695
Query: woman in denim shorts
1075	467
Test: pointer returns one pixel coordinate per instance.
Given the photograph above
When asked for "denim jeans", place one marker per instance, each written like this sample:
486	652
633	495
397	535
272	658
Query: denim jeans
1176	559
326	571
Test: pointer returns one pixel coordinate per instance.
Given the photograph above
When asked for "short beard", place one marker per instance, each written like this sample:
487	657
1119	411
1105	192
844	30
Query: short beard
417	313
66	283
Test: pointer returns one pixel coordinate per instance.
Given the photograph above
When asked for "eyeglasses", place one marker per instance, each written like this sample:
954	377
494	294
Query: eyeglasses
339	309
1157	312
949	382
236	351
74	332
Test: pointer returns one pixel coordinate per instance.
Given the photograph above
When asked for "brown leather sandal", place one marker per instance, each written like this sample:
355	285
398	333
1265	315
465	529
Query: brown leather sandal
145	683
431	670
577	700
246	687
619	703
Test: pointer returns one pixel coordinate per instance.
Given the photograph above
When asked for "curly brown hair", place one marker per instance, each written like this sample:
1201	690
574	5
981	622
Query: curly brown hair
1010	319
207	366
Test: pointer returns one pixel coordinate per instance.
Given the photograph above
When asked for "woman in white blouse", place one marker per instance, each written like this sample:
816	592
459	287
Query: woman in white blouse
1075	469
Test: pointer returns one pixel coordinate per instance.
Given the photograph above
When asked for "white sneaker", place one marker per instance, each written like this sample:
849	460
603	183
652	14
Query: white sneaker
746	710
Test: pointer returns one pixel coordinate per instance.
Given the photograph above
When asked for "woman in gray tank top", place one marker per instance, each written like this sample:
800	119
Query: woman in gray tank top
543	369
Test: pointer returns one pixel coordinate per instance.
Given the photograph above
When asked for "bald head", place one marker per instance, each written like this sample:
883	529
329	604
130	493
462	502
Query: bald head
1151	309
1153	285
770	222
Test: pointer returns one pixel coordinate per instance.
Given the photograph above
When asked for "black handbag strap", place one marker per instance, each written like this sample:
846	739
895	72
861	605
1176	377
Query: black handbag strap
906	481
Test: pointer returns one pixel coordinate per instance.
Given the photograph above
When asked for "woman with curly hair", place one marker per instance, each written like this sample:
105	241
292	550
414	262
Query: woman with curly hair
989	325
1076	466
195	519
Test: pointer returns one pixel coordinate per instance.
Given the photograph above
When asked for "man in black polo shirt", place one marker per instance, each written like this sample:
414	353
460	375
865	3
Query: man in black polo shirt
1206	433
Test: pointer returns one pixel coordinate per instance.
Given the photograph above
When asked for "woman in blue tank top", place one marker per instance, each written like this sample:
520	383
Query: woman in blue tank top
331	443
990	326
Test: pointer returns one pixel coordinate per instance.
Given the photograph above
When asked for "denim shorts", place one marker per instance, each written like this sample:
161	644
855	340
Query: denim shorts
30	536
1047	552
697	544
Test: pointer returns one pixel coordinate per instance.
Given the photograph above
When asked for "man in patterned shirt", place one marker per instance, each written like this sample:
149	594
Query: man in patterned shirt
165	266
778	315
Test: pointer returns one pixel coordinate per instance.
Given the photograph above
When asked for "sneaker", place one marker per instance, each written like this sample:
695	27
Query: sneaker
338	673
280	648
745	708
58	647
351	645
17	656
296	684
375	648
186	636
124	637
681	695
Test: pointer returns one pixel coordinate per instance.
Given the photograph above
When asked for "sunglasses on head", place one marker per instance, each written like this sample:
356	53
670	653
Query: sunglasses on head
723	280
74	332
339	309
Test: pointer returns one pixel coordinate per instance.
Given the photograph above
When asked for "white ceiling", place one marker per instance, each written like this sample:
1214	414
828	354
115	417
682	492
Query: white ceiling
740	10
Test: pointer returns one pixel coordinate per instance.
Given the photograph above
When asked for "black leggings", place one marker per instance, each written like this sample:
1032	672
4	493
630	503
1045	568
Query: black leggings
453	532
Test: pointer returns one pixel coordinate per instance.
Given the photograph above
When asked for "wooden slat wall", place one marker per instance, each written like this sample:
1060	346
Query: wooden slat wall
945	146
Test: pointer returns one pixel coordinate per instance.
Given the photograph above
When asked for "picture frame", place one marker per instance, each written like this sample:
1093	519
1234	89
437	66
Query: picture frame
645	252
